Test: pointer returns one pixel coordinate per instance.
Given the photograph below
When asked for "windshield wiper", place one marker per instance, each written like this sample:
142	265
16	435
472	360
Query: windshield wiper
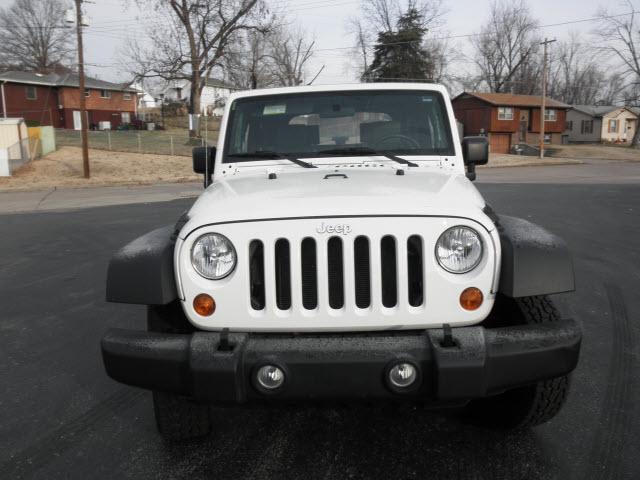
272	155
366	151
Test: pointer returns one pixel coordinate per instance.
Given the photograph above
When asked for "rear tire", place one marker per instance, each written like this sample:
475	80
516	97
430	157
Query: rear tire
177	417
529	406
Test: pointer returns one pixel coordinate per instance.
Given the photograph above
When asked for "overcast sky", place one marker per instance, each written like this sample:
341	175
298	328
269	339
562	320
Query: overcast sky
112	22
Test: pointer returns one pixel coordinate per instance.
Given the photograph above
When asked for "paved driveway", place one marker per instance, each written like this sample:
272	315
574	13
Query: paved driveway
61	417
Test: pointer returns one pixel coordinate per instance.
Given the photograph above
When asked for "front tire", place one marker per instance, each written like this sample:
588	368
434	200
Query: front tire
529	406
177	417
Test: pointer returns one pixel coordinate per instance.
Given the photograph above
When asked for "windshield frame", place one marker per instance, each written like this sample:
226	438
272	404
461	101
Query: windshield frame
445	152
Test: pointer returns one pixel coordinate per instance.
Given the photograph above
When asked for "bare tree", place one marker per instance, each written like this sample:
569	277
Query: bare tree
363	40
33	35
290	53
247	63
443	54
620	38
505	47
576	76
613	89
190	39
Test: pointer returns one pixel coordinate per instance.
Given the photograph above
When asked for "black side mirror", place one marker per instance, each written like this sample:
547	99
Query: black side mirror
203	162
475	151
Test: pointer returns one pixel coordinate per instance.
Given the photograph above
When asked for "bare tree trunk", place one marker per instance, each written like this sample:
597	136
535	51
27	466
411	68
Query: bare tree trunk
194	102
635	143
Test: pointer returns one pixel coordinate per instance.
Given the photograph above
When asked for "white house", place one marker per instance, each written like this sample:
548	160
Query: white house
601	123
145	99
214	94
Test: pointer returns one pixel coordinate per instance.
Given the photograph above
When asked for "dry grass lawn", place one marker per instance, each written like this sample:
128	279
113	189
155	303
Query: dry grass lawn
63	169
506	160
605	152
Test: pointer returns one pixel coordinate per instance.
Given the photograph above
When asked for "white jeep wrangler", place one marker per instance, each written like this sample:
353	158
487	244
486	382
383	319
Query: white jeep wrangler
341	252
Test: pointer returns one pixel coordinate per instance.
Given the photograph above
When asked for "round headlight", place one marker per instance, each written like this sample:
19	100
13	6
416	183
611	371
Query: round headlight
459	249
213	256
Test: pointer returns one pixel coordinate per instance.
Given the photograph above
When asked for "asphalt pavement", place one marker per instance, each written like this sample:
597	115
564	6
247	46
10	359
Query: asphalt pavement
62	417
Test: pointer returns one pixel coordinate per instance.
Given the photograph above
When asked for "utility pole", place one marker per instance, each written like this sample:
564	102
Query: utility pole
81	87
544	93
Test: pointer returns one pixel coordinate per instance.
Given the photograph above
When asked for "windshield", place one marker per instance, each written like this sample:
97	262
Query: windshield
406	122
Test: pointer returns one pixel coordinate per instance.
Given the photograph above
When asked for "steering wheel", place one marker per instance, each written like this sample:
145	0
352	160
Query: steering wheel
396	141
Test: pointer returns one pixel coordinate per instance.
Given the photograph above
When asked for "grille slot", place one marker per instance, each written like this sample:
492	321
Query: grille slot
316	273
256	274
414	271
283	274
362	270
388	259
335	272
309	271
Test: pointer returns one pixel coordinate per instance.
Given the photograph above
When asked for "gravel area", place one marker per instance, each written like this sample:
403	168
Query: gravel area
63	169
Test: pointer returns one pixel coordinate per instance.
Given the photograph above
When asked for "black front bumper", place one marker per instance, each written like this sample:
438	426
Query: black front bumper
351	366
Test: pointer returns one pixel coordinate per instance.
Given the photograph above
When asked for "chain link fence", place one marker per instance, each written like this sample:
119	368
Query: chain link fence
137	141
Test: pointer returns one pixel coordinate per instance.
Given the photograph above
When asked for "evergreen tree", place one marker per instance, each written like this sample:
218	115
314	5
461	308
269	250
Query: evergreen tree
400	55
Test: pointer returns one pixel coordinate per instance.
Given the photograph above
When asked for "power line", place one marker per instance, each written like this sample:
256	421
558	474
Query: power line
445	37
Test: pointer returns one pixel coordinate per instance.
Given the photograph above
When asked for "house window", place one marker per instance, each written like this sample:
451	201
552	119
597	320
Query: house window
126	96
105	94
32	93
613	126
87	92
505	113
586	126
549	115
126	117
570	125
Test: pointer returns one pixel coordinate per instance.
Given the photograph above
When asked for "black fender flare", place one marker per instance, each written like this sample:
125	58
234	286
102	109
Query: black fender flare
142	271
534	261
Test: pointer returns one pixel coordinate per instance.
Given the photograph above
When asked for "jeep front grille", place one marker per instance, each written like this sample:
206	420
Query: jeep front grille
358	255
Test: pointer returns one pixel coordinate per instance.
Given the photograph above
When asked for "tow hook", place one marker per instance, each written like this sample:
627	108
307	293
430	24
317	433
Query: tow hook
447	337
225	345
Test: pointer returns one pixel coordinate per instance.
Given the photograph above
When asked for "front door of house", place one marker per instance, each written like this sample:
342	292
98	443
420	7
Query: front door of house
524	125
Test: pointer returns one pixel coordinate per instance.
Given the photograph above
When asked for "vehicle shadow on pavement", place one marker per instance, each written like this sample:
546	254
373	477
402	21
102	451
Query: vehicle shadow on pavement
328	443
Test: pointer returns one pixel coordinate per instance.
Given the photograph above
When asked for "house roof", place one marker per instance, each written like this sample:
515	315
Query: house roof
60	80
216	82
513	100
601	110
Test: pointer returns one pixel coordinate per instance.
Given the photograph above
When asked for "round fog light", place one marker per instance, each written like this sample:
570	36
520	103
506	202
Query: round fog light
270	377
403	375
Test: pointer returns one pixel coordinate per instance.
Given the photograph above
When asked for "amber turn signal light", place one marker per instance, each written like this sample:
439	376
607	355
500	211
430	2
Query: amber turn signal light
204	305
471	298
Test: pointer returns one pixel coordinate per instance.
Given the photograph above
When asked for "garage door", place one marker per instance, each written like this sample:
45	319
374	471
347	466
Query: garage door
500	142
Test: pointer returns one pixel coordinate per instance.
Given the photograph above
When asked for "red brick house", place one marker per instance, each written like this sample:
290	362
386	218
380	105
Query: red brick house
53	99
509	119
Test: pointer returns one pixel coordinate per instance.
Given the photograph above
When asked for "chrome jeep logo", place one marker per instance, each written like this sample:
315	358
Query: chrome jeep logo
342	228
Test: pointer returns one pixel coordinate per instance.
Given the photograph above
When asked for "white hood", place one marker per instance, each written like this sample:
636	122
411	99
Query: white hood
366	191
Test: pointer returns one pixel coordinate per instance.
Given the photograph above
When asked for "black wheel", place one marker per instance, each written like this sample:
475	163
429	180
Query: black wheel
522	407
177	417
